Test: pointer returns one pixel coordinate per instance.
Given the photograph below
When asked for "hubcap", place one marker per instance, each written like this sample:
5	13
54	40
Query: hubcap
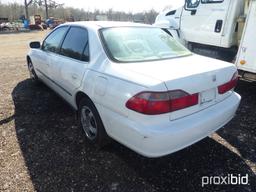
88	123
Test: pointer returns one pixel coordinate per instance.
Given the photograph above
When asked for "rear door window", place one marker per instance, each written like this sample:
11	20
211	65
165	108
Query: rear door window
76	44
53	41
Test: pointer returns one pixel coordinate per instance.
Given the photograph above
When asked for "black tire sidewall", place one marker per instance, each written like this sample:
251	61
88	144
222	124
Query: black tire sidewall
35	78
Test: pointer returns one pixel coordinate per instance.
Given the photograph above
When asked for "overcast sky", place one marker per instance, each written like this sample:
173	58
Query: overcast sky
127	5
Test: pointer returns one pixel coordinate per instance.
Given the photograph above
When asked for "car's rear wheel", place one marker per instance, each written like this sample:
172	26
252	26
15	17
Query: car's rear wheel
91	123
32	72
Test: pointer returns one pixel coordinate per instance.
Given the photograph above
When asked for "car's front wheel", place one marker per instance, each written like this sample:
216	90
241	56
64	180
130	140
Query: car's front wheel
91	123
32	72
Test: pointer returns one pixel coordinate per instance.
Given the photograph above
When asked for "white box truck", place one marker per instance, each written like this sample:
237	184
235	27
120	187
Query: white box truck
223	29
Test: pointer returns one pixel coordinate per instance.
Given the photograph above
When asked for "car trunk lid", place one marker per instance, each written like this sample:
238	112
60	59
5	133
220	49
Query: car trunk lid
192	74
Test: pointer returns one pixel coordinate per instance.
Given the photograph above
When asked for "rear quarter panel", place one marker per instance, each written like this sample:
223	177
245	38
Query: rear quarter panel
110	94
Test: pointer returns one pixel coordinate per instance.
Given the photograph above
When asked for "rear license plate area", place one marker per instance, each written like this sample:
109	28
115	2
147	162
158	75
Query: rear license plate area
207	96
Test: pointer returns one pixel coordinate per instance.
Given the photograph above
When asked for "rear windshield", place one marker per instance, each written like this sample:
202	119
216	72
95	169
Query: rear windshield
134	44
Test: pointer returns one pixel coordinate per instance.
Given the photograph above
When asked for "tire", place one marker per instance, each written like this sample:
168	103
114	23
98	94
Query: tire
90	122
32	72
6	28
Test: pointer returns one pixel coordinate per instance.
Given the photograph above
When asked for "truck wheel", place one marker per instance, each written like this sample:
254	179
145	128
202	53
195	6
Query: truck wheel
90	121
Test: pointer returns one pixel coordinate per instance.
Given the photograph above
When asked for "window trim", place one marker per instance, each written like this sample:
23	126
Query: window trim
171	13
212	2
87	44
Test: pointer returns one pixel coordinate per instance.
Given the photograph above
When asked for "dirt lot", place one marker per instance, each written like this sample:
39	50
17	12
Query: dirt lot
42	149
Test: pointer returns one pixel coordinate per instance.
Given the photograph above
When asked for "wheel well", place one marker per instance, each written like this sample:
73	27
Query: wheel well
80	95
28	59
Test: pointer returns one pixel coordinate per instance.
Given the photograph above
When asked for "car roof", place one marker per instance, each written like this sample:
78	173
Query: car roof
105	24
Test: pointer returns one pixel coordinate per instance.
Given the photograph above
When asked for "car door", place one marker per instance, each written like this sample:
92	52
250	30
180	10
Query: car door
50	47
71	63
203	21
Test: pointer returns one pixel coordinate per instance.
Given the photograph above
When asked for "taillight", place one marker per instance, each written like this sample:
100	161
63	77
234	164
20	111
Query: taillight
154	103
182	100
229	85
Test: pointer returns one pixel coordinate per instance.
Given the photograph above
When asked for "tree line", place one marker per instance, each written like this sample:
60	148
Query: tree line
15	11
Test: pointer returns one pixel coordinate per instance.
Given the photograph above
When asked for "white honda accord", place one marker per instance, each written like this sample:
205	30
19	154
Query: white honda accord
134	83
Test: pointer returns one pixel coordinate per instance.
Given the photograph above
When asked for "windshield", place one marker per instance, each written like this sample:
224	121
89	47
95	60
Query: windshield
132	44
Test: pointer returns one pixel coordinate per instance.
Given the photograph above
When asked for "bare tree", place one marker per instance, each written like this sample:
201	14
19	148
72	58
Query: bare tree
14	11
46	9
26	4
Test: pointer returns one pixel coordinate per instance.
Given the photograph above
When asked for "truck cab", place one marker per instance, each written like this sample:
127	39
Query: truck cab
211	22
207	27
222	29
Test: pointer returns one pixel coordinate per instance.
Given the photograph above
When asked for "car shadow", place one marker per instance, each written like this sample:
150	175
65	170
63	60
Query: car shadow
58	158
241	132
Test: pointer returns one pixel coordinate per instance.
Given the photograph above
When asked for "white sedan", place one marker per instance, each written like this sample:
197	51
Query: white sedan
135	84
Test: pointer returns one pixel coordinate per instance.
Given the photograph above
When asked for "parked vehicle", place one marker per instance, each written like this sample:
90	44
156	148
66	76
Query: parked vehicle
208	24
53	22
4	24
135	84
35	20
245	59
222	29
36	23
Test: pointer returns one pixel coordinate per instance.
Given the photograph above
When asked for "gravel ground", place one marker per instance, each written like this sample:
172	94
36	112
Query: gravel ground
42	149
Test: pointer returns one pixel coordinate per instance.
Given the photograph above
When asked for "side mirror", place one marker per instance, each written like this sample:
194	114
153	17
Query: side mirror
35	45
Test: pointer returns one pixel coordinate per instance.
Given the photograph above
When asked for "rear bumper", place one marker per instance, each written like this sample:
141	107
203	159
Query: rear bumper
174	135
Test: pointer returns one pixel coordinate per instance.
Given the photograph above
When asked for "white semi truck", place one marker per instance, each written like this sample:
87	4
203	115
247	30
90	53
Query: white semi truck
223	29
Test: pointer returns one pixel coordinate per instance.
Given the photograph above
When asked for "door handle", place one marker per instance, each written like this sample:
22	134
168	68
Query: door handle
218	26
193	12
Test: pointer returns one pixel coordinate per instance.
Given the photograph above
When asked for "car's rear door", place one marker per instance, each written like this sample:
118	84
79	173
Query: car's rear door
70	64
